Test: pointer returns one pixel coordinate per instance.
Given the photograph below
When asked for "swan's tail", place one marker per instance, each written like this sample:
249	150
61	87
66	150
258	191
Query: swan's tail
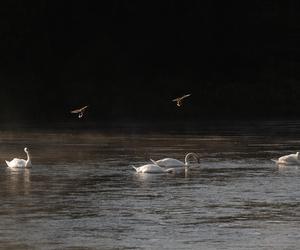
274	160
7	163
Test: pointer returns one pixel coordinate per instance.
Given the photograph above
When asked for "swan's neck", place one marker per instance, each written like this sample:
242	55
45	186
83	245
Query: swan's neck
186	159
28	161
187	162
186	170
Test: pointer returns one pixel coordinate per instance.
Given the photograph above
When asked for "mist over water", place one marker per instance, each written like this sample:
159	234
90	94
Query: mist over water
82	192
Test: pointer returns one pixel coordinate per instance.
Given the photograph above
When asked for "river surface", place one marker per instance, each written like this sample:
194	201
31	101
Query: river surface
82	193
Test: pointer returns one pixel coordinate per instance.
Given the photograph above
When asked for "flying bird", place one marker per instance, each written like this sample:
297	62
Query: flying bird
79	111
178	100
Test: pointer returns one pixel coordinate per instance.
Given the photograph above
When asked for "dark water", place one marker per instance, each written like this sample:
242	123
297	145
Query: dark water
81	192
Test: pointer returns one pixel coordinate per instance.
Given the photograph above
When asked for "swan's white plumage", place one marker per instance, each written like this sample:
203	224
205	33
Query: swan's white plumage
17	163
154	168
149	168
291	159
171	162
174	170
20	163
167	165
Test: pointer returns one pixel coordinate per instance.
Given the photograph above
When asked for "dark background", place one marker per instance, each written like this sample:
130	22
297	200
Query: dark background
129	59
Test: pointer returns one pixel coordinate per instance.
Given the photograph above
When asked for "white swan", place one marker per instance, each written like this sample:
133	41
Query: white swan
20	163
171	162
291	159
154	168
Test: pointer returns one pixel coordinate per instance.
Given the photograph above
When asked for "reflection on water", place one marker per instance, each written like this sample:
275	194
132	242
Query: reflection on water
82	193
18	180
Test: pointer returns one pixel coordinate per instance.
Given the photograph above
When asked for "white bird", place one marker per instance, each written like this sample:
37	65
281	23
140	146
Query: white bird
154	168
80	111
291	159
173	163
178	100
20	163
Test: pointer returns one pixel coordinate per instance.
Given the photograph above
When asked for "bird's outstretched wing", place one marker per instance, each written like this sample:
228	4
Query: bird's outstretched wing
185	96
75	111
83	108
180	98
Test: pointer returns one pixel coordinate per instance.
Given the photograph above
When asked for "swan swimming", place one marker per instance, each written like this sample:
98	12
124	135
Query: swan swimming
154	168
291	159
20	163
171	162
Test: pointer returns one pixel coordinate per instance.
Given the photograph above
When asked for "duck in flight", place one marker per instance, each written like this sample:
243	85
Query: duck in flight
178	100
79	111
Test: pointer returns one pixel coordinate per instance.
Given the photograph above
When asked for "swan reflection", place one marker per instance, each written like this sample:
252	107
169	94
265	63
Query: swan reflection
18	180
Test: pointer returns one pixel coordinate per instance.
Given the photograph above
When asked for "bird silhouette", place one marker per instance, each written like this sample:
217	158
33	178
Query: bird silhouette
178	100
80	111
